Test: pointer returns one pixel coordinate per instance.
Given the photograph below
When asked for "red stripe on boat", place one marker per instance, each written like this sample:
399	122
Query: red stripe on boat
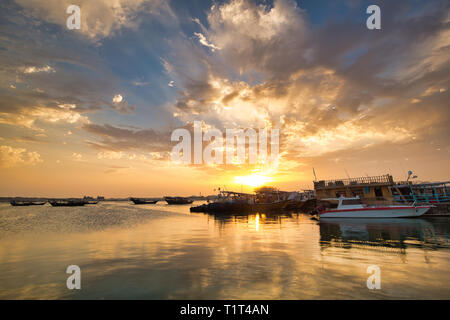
375	208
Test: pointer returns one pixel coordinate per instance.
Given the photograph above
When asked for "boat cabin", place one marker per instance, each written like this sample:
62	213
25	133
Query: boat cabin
346	203
374	188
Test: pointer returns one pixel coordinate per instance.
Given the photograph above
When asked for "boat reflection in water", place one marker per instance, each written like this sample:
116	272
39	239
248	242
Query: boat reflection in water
222	219
385	232
347	233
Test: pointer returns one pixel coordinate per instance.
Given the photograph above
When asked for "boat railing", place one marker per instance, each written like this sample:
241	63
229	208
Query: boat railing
385	179
423	198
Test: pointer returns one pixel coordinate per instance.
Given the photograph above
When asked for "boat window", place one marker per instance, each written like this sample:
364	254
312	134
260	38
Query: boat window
351	201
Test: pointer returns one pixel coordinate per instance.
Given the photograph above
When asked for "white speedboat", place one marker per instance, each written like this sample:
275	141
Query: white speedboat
354	208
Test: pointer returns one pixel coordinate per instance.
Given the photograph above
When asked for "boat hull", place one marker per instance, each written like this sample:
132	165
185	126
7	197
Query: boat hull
240	207
26	204
142	201
20	204
178	200
382	212
90	202
67	204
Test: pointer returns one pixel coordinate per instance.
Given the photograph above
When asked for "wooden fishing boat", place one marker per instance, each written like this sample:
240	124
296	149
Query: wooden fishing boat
91	202
67	203
238	202
301	200
240	207
143	201
26	203
178	200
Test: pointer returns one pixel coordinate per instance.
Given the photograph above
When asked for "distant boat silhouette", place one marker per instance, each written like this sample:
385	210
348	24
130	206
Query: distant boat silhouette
26	203
67	203
143	201
178	200
90	202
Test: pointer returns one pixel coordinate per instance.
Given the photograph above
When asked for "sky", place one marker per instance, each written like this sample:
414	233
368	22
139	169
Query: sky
92	111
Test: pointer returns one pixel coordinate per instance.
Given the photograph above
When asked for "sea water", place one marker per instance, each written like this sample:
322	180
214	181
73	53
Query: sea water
127	251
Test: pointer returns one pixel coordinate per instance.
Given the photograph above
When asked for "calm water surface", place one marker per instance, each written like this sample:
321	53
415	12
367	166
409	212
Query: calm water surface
164	252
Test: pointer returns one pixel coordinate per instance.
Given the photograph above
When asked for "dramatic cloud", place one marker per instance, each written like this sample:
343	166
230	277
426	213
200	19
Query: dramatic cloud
258	38
117	98
10	157
203	41
327	88
121	106
122	139
100	18
48	80
339	93
38	69
28	117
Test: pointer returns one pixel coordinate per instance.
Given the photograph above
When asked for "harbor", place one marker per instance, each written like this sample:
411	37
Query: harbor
162	251
379	194
375	191
271	244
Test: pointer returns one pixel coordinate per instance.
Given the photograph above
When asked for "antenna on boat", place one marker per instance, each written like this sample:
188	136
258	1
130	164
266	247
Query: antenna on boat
409	176
348	176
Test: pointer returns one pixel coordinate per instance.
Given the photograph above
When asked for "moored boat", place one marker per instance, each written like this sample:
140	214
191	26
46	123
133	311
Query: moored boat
233	202
301	200
143	201
354	208
90	202
238	206
67	203
178	200
26	203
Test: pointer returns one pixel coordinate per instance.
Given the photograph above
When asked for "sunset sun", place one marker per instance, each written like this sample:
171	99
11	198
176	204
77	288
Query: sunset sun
253	180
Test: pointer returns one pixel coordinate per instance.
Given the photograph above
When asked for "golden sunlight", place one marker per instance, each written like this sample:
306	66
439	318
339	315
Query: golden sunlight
253	180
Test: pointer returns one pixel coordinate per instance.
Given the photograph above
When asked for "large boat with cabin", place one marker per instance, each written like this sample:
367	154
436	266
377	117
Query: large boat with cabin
355	208
377	190
264	200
